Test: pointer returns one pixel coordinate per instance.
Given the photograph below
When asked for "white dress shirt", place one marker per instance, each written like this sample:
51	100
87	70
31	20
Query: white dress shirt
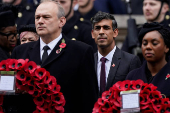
51	45
107	65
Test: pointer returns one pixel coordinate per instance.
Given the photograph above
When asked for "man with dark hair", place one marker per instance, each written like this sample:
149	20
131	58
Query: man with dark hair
111	63
72	65
154	11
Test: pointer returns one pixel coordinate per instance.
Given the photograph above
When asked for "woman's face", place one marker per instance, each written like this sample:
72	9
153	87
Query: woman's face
29	37
8	37
153	47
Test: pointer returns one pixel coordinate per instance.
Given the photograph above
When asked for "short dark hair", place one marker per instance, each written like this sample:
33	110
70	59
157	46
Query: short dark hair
155	26
102	15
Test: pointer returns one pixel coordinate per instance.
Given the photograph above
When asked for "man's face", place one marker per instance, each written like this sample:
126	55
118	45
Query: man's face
104	35
7	1
10	41
153	47
151	9
65	4
46	20
84	3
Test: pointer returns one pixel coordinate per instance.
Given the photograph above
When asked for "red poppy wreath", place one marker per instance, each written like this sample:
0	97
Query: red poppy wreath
151	100
37	82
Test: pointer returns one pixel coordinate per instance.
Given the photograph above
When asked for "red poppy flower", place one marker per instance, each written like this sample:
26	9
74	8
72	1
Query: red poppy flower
150	87
12	64
47	98
147	109
58	98
56	89
19	85
43	107
30	89
1	99
165	101
96	108
59	108
30	67
38	101
164	108
137	84
21	75
21	63
50	83
62	45
3	65
125	85
47	77
40	73
144	99
105	107
106	95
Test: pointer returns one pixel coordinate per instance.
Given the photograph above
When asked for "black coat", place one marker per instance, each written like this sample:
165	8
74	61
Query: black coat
3	54
79	29
73	68
89	15
158	80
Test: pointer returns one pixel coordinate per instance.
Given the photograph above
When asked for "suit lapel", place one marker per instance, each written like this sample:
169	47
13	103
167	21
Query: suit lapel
113	69
34	52
96	61
53	55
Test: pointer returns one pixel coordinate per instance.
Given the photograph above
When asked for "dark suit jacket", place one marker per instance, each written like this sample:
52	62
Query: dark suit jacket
124	63
158	80
3	54
73	68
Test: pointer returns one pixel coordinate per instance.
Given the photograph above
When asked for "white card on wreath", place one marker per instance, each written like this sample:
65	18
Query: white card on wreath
7	83
130	101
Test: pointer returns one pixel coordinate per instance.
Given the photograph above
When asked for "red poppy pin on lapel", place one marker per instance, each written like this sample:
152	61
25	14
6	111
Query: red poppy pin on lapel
62	45
113	65
167	76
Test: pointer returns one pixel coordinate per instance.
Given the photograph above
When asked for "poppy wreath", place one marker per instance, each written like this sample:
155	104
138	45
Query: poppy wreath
151	100
36	81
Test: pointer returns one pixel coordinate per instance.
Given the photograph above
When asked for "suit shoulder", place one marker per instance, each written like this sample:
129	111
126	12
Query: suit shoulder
131	74
26	45
128	55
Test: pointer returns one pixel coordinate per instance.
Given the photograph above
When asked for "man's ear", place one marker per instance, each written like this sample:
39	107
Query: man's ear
62	22
116	32
92	31
165	8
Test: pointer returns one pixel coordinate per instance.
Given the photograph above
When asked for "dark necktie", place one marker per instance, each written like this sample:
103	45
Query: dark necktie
102	76
45	54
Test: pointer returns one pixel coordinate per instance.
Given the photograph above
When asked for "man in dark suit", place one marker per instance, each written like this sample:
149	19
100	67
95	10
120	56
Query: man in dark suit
111	63
71	62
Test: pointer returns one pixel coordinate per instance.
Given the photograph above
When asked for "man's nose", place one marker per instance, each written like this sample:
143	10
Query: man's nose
101	30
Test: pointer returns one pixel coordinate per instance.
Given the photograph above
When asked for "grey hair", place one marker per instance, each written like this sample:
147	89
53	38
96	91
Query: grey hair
61	12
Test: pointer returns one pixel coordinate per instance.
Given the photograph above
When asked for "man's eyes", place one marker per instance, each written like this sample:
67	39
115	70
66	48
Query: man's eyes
104	27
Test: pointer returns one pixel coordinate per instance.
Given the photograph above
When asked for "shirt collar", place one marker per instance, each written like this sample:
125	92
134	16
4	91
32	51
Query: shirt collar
108	56
52	44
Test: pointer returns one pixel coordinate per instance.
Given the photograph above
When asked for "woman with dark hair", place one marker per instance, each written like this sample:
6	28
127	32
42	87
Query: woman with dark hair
8	34
155	44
